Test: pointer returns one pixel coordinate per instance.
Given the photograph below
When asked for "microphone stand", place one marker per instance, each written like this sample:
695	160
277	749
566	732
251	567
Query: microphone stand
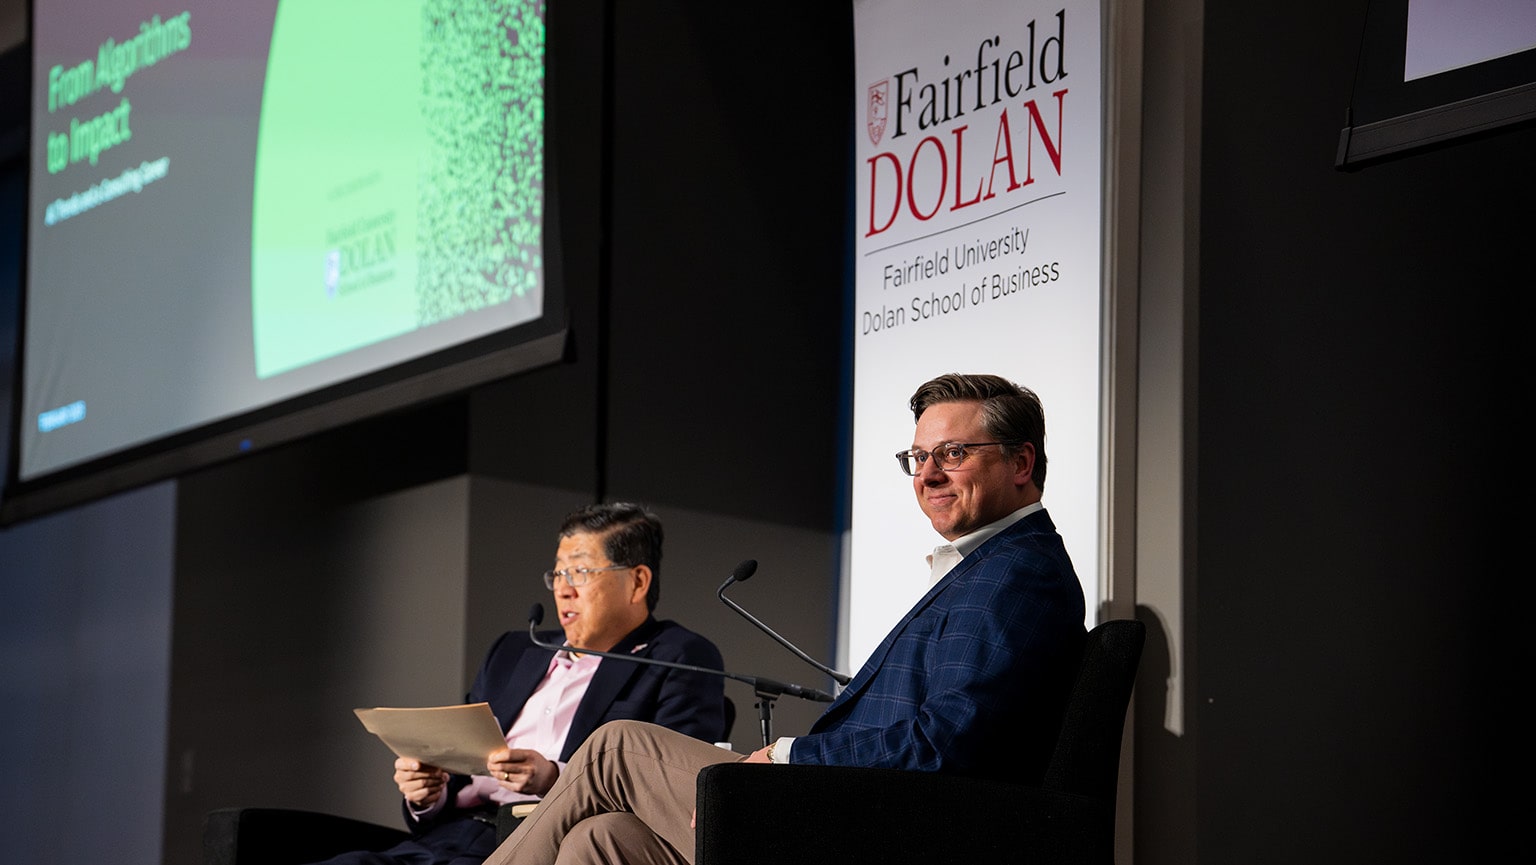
767	690
745	570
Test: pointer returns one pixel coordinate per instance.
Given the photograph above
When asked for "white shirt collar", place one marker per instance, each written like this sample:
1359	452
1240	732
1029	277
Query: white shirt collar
946	555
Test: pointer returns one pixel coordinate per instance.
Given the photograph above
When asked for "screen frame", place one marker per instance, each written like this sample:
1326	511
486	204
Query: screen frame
1389	117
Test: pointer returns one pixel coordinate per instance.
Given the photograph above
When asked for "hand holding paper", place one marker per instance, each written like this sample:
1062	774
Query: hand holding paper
421	784
522	770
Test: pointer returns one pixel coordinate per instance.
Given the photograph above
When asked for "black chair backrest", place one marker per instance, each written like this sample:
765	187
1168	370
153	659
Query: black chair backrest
1087	756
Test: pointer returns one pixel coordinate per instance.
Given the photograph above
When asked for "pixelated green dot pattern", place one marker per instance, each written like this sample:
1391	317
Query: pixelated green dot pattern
481	209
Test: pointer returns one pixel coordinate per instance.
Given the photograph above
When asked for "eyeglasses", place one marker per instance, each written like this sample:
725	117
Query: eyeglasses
577	576
948	455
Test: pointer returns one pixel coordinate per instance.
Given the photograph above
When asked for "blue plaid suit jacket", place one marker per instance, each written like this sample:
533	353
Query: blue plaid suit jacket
974	679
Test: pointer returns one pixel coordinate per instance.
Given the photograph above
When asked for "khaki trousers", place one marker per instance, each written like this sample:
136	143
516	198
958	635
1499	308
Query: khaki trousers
625	798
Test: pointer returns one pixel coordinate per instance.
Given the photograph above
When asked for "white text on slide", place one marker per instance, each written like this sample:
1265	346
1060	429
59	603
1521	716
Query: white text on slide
131	180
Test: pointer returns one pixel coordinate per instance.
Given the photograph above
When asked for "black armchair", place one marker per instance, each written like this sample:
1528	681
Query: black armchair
286	836
749	814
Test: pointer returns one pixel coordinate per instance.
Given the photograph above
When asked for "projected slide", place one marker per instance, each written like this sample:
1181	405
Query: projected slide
233	204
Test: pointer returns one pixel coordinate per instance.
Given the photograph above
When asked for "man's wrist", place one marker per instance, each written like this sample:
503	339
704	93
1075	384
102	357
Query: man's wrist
777	756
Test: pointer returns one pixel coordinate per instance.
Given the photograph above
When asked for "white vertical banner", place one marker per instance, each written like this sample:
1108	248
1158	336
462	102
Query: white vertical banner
978	232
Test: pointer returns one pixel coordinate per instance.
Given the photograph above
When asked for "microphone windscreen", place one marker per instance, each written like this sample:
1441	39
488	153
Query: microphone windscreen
536	615
744	570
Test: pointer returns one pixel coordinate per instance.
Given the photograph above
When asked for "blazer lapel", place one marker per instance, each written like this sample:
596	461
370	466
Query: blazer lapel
608	682
877	657
526	675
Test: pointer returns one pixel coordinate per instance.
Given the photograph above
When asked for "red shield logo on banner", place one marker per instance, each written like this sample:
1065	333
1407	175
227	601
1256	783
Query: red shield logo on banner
875	121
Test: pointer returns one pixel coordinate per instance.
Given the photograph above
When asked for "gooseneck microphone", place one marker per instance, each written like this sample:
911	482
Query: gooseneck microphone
767	690
760	684
742	573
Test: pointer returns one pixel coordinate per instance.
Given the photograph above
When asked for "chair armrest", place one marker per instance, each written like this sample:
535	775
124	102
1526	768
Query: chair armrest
753	813
283	836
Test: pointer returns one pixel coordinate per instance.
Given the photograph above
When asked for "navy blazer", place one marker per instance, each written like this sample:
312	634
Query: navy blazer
974	678
691	703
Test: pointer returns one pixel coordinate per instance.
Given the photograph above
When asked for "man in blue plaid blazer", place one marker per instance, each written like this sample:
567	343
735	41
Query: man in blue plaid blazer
972	680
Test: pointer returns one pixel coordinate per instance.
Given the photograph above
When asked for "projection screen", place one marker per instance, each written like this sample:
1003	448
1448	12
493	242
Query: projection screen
239	211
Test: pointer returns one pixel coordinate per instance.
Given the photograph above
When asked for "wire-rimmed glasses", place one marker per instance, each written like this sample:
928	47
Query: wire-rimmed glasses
577	576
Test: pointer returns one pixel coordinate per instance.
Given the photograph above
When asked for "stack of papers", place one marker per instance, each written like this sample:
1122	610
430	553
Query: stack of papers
456	738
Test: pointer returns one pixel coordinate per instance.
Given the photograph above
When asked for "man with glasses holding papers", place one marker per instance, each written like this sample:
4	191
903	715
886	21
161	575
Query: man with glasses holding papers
606	582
